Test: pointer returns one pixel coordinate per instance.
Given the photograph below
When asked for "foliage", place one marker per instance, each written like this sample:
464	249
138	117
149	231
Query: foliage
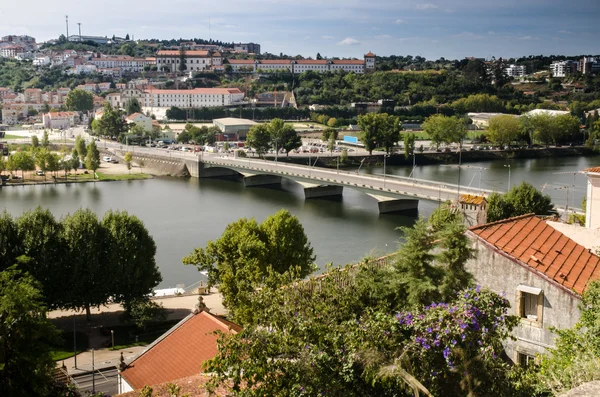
80	147
549	129
10	241
504	129
35	142
520	200
111	123
259	138
45	140
379	130
92	159
79	100
128	158
441	128
409	145
26	334
141	311
132	106
247	252
23	161
284	136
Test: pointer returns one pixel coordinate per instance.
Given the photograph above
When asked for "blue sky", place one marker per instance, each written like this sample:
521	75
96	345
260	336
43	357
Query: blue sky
445	28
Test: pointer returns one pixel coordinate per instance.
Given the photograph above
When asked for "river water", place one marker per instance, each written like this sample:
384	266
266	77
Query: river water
182	214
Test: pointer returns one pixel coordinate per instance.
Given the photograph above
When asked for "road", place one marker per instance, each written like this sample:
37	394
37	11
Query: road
105	380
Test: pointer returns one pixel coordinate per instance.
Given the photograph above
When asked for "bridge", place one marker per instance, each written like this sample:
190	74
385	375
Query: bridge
392	193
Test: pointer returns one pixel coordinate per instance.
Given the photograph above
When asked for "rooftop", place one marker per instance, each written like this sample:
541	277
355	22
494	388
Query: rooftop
546	251
205	91
472	199
233	121
180	352
194	385
188	53
593	170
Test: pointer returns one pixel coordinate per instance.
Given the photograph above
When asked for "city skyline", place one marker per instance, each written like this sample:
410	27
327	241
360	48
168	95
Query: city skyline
432	29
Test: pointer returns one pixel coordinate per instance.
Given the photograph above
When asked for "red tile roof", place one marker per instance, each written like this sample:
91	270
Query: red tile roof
472	199
197	91
593	170
188	53
369	54
180	352
312	61
348	62
542	248
275	61
194	385
241	61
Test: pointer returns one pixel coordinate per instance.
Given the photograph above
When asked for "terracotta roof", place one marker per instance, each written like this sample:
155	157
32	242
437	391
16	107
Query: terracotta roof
369	54
188	53
241	61
198	91
312	61
593	170
194	385
180	352
348	62
545	250
472	199
61	114
134	115
275	61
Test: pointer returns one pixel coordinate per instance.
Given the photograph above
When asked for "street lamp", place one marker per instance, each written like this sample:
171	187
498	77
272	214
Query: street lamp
384	161
508	166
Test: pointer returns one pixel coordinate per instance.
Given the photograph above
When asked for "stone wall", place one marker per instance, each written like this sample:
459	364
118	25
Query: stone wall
493	269
157	165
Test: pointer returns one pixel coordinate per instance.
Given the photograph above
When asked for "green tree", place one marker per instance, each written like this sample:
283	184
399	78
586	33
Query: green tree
504	129
409	145
25	363
441	128
92	159
53	163
3	165
247	252
93	276
42	158
284	136
45	140
132	106
35	142
79	100
379	130
259	139
328	133
80	147
10	242
128	157
111	123
131	251
23	161
520	200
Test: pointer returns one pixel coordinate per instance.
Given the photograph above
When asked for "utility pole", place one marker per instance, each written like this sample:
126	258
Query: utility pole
79	24
67	22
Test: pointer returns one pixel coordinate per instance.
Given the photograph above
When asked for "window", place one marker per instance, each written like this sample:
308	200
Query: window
530	304
525	360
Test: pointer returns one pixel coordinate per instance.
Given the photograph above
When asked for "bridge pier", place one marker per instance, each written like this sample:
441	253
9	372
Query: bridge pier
261	180
388	204
312	190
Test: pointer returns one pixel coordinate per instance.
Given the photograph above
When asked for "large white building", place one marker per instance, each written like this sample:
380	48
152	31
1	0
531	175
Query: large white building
515	71
195	60
563	68
125	63
60	120
196	98
298	66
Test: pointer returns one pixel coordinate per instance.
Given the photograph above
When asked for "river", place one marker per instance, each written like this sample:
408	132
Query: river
182	214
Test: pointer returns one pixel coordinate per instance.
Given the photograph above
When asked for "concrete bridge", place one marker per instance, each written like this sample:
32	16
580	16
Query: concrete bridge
393	194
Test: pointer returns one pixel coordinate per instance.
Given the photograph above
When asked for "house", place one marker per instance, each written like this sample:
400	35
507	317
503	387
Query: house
33	95
195	386
194	98
592	211
194	60
141	120
60	120
179	353
563	68
232	128
543	273
473	208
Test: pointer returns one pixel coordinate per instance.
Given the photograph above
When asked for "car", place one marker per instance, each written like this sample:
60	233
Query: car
40	173
114	161
107	159
447	150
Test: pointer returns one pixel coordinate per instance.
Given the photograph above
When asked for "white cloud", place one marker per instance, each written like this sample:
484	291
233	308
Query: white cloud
400	21
327	37
349	41
468	36
529	38
383	36
306	37
565	31
426	6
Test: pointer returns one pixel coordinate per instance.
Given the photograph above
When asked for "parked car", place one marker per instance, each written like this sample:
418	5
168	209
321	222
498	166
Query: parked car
40	173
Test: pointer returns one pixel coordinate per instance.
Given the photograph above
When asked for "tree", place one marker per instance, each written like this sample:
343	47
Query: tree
379	130
247	252
45	140
25	363
441	128
3	165
92	159
86	242
409	145
132	106
35	142
259	139
328	133
111	123
80	147
23	161
131	251
128	159
504	129
284	136
10	243
520	200
79	100
182	65
127	37
42	158
53	163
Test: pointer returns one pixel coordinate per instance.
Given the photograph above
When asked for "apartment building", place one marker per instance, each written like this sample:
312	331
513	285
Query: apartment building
247	47
60	120
11	51
195	60
515	71
298	66
125	63
33	95
563	68
195	98
589	65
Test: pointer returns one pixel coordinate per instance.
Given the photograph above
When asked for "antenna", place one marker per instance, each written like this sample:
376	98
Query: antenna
67	22
209	29
79	24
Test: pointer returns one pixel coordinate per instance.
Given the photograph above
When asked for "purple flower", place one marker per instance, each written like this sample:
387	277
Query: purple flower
429	330
478	288
446	353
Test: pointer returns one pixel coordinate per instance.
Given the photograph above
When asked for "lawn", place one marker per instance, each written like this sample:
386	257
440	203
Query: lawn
122	177
10	136
64	349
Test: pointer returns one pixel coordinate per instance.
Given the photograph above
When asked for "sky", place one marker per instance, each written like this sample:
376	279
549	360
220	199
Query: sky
451	29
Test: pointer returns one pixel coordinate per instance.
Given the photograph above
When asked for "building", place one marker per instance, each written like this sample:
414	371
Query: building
370	62
10	51
563	68
141	120
95	39
247	47
178	353
60	120
298	66
125	63
234	129
41	61
589	65
515	70
195	60
541	270
195	98
549	112
33	95
473	208
592	210
281	99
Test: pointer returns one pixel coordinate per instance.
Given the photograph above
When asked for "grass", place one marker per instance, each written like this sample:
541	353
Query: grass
128	335
122	177
10	136
64	350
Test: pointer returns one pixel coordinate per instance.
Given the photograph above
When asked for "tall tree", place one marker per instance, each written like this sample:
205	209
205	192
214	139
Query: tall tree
35	142
182	66
26	334
10	243
130	252
283	136
79	100
259	139
111	123
128	158
80	147
132	106
520	200
45	140
441	128
23	161
504	129
92	159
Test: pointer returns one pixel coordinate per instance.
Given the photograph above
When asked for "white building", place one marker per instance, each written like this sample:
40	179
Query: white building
563	68
298	66
196	98
195	60
515	71
10	51
41	61
141	120
125	63
592	210
60	120
83	69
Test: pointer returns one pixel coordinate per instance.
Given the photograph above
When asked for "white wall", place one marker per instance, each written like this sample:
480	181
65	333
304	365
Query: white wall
592	210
